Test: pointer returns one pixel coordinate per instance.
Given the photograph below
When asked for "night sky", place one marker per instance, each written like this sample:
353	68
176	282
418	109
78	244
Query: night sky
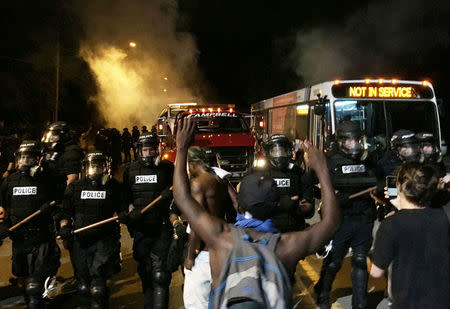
243	51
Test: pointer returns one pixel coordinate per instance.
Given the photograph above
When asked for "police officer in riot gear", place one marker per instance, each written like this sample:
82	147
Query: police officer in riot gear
61	152
96	252
144	180
429	152
63	157
404	147
350	172
35	252
295	185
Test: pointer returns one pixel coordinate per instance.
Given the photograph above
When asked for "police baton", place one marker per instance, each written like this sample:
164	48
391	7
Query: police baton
362	192
34	214
143	210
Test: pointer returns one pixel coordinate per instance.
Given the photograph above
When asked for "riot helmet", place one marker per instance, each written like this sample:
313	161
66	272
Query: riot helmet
148	148
27	156
428	149
96	167
404	144
278	150
55	134
351	139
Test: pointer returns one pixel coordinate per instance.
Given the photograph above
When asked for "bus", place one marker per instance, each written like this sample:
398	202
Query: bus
380	106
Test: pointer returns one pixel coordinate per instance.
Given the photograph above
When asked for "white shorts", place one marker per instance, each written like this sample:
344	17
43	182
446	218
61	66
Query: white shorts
197	283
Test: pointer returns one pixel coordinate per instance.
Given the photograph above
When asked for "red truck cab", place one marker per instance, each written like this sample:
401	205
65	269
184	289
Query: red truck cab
224	134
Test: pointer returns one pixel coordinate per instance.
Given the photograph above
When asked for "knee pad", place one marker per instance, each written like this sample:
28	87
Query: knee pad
334	265
33	288
98	288
359	260
161	278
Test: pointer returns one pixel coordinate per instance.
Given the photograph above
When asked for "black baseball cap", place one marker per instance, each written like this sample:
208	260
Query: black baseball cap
258	195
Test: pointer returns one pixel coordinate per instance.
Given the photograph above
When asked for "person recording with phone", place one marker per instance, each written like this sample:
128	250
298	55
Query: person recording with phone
414	241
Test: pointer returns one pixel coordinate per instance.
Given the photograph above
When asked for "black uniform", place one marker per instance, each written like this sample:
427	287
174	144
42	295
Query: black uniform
358	214
96	252
291	181
35	252
144	181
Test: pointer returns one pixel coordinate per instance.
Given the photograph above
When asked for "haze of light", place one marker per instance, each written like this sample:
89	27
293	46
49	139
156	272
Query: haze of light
130	87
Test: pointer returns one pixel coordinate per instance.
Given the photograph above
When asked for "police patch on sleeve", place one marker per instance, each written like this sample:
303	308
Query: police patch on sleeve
283	182
146	179
24	190
93	195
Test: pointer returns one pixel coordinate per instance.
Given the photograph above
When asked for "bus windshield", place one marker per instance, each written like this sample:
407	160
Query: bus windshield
222	125
379	119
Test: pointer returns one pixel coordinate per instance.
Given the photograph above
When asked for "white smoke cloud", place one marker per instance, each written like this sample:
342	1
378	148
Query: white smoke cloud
136	83
377	41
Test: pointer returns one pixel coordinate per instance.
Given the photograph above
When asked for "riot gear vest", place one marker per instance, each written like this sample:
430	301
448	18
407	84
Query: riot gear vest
144	184
91	203
351	176
288	181
24	196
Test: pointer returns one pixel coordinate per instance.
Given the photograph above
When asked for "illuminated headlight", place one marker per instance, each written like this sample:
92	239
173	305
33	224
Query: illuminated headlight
259	163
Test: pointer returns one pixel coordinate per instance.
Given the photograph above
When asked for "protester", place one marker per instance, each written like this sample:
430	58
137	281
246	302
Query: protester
211	192
266	258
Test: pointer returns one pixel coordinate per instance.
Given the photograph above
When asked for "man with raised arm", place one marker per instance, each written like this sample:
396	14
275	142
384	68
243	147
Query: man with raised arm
249	268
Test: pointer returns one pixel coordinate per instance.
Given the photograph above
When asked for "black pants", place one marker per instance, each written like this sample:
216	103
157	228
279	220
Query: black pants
150	251
95	262
35	262
357	234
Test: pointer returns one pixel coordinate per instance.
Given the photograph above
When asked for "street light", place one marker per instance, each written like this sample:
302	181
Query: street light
132	44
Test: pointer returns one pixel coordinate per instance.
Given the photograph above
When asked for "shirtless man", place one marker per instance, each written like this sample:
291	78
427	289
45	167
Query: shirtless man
211	193
220	237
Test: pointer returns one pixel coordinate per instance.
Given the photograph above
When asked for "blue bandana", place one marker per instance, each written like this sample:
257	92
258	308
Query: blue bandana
259	225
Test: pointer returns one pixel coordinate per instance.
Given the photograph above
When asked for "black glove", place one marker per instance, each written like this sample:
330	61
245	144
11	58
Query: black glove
4	232
134	216
286	204
342	198
65	232
46	208
123	217
166	194
180	230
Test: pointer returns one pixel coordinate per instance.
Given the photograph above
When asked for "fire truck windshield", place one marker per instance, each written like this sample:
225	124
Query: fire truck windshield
379	119
222	125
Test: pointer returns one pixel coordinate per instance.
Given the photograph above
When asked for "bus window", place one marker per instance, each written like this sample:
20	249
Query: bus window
415	116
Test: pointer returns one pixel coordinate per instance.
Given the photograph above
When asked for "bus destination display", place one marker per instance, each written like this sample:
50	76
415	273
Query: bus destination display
398	91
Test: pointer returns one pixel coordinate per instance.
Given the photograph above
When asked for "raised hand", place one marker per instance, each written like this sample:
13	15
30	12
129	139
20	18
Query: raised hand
185	134
314	158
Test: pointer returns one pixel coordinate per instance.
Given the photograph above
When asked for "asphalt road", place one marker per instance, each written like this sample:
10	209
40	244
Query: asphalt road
125	286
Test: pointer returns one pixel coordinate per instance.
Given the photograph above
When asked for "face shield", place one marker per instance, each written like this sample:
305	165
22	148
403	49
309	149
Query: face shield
429	153
408	152
95	168
148	152
353	145
49	141
280	156
26	160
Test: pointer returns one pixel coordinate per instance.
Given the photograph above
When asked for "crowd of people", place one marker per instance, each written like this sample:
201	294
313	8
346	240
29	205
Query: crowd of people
238	245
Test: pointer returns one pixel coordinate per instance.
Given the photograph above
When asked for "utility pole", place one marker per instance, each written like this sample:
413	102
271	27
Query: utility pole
57	60
55	114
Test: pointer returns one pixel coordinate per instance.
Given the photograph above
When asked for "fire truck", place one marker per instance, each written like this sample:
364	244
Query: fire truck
380	106
224	133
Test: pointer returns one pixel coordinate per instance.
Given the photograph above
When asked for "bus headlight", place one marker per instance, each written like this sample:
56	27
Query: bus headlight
259	163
